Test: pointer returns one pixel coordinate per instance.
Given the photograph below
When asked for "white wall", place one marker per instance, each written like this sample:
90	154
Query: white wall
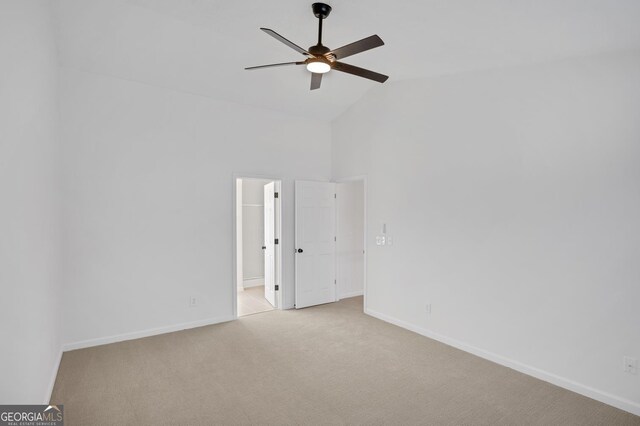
513	197
350	238
148	200
253	229
29	204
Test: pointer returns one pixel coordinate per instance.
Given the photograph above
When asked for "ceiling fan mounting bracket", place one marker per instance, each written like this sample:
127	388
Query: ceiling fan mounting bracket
321	10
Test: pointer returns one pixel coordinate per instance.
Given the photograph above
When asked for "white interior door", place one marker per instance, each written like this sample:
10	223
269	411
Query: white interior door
269	243
315	243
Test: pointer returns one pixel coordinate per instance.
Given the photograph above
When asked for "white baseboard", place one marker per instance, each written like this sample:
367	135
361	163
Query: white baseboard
253	282
52	381
352	294
605	397
143	333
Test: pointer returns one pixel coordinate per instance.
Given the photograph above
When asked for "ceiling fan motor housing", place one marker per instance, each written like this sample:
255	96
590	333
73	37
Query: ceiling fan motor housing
319	50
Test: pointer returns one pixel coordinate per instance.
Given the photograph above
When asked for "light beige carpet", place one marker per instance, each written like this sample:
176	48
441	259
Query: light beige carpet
329	364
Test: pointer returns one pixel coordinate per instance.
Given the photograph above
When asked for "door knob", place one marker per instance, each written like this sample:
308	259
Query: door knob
264	247
300	250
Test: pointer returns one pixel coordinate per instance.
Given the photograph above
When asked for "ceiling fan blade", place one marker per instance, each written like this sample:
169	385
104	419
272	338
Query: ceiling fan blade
360	72
316	79
274	65
368	43
287	42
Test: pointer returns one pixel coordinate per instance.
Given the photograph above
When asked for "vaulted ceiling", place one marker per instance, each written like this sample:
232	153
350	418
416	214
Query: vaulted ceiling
202	46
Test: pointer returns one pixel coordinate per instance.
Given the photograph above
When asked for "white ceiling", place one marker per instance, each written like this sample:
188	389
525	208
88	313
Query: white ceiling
202	46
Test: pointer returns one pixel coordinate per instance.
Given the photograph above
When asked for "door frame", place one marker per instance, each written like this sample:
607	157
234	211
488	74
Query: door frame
279	231
363	179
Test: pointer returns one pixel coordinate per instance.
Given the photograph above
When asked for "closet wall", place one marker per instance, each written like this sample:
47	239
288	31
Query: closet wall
253	231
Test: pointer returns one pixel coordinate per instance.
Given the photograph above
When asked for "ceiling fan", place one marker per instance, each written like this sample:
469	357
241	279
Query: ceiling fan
321	59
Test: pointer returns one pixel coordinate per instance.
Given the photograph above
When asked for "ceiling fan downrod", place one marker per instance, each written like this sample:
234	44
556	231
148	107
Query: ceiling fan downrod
321	11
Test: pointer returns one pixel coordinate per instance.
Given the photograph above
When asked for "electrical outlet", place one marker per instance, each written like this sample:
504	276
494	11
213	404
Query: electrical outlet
193	301
428	309
630	365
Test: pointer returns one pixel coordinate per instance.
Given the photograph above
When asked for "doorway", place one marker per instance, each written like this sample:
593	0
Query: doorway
351	238
257	251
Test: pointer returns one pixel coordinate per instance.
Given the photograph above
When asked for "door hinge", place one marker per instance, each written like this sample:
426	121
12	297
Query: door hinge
334	239
335	281
276	241
335	195
275	195
277	287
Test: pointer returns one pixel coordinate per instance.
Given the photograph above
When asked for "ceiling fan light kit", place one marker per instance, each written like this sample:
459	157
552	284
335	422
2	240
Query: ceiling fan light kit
319	67
321	59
